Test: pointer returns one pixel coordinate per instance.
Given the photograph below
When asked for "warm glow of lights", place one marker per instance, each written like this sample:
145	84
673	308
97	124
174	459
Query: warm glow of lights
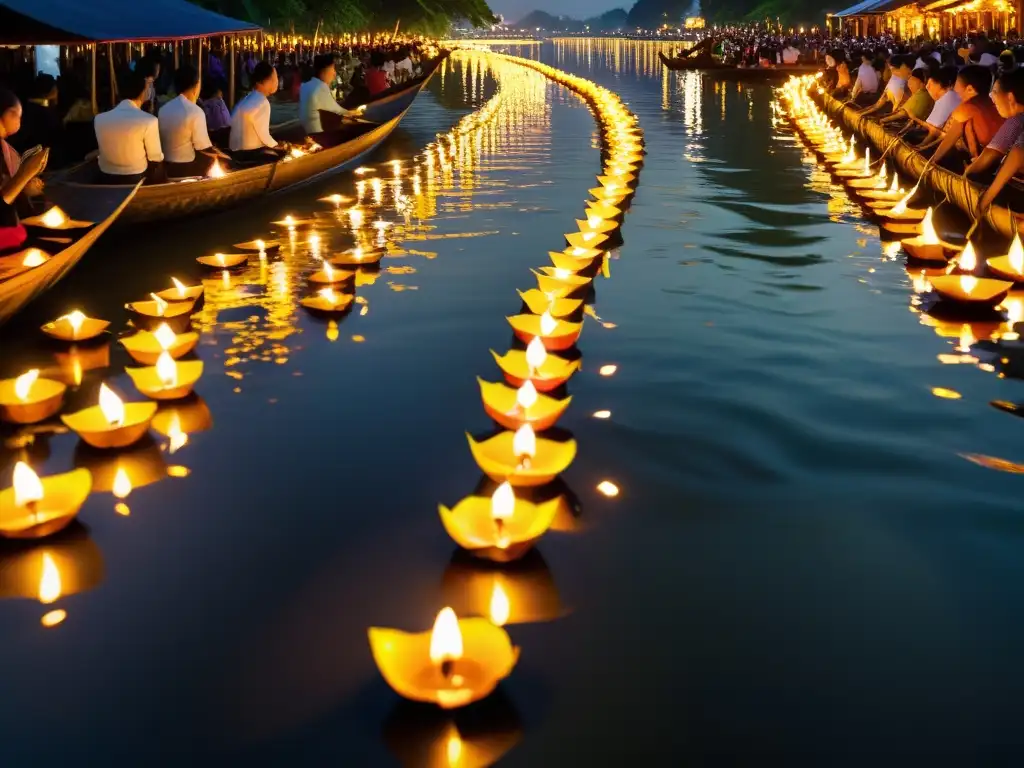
895	188
54	217
328	272
608	488
503	502
53	618
161	305
1016	255
216	171
548	324
608	370
111	406
164	336
34	258
75	319
928	234
175	436
49	581
967	339
166	369
355	217
602	414
536	354
901	207
446	638
179	286
23	384
499	608
524	442
328	295
28	488
453	749
225	278
122	484
968	283
526	395
968	260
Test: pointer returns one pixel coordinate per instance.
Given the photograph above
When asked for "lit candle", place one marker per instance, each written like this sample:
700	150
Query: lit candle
75	326
111	424
36	507
167	380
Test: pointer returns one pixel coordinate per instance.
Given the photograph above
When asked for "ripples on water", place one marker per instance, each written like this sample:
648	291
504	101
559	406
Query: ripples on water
799	563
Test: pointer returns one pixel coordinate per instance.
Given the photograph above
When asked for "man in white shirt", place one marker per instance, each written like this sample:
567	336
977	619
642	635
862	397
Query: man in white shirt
940	88
896	89
128	138
790	54
315	95
188	150
250	124
866	86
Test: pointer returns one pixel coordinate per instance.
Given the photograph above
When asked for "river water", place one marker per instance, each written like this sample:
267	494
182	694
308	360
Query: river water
812	556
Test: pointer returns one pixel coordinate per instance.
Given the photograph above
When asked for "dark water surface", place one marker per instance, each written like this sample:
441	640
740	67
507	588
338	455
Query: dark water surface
802	565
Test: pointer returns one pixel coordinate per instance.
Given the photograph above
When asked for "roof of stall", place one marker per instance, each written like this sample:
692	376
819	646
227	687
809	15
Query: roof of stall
868	7
36	22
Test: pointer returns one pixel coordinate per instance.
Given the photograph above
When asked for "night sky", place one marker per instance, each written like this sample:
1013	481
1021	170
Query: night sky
513	10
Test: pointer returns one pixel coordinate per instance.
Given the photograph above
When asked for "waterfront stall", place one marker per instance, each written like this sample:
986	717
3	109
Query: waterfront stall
955	18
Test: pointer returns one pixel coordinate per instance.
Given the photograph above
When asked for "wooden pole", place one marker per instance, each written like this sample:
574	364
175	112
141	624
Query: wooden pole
199	58
95	103
177	54
231	74
113	79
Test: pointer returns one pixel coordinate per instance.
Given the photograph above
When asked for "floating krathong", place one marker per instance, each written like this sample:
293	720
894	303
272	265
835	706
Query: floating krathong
188	416
539	302
521	457
328	275
615	196
501	528
902	211
75	326
266	246
547	372
35	507
877	183
329	301
113	423
168	379
29	258
605	211
55	218
1010	266
358	257
926	246
597	224
859	169
576	259
513	407
589	239
151	314
224	260
290	222
555	334
456	663
968	289
181	292
145	347
29	399
561	283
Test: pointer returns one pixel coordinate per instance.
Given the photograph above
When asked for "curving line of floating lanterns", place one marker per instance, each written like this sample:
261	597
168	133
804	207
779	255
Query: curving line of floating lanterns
946	280
462	660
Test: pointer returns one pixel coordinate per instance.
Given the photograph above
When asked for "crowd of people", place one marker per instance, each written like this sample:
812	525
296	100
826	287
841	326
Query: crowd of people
170	123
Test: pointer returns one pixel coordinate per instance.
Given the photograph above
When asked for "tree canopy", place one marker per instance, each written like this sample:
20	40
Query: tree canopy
427	16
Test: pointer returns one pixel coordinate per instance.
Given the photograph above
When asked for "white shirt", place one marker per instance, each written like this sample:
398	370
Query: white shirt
314	95
128	138
389	67
988	60
867	77
790	55
250	124
943	108
182	130
920	63
895	88
405	64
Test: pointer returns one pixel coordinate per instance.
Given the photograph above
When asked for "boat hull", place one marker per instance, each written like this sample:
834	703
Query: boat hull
728	72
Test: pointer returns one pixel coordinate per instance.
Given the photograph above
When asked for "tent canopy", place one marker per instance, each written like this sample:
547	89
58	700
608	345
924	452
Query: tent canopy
29	22
869	7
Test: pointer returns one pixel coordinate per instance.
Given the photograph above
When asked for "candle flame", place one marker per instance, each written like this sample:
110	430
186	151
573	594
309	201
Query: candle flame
175	436
1016	255
499	608
594	221
166	369
179	286
23	384
524	442
867	162
968	283
216	171
75	318
34	258
111	406
536	354
968	260
967	339
328	295
561	273
225	278
901	207
161	305
27	486
164	336
526	395
220	259
122	484
49	581
503	502
895	187
262	246
54	218
548	324
328	272
928	234
446	638
453	749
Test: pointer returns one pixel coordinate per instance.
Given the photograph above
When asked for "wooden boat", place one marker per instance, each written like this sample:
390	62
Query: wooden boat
722	71
945	184
19	284
187	197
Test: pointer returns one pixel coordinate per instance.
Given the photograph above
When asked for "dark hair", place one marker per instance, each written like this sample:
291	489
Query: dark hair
146	67
377	59
185	78
322	62
131	84
903	60
1007	59
978	77
209	89
7	100
944	76
262	72
921	74
43	86
1013	82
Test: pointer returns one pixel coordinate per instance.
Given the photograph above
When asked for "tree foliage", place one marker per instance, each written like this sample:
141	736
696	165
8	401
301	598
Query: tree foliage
427	16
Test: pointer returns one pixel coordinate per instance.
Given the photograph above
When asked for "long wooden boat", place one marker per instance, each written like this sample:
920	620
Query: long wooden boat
729	72
20	284
961	192
176	199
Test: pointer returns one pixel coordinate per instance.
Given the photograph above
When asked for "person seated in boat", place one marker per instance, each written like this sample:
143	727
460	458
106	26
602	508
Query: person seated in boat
17	175
250	139
941	87
211	100
40	122
184	138
844	80
919	105
895	92
974	123
128	138
865	87
315	97
1008	97
374	76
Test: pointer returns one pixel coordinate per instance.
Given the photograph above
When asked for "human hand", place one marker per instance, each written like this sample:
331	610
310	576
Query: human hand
33	165
35	188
